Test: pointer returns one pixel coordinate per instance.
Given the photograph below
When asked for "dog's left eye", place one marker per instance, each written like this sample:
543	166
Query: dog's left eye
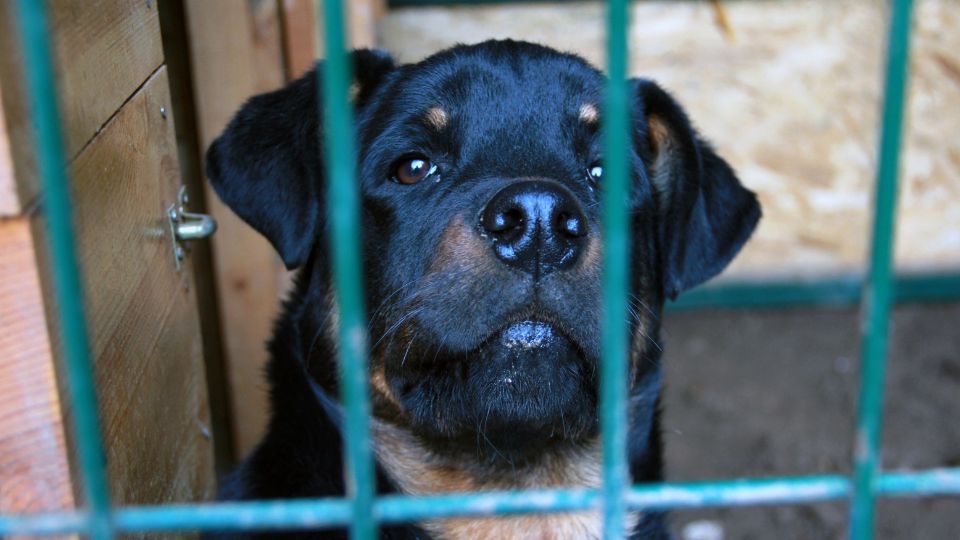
595	172
413	169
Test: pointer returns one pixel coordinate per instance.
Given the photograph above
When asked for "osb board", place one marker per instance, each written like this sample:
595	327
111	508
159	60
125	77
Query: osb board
145	335
236	53
789	92
34	471
104	50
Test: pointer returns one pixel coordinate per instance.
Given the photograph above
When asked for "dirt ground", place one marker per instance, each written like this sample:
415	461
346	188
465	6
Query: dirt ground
760	393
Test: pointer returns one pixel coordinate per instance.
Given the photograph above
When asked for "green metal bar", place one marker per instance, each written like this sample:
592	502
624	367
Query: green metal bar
319	513
344	208
616	233
829	291
744	492
878	291
927	483
51	162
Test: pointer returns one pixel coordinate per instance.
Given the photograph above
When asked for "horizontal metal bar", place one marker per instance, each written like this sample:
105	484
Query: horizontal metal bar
319	513
396	509
261	515
745	492
931	482
839	291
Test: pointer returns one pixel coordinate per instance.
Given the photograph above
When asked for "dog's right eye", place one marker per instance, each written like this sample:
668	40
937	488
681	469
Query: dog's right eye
413	169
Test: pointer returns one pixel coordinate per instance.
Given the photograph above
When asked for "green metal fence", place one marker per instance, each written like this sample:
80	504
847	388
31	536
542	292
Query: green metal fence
361	510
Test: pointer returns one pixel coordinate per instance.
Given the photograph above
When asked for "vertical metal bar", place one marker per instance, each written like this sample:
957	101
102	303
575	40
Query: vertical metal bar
51	162
878	290
613	368
344	210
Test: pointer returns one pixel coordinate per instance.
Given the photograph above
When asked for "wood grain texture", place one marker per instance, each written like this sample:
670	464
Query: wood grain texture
34	469
104	50
233	57
145	334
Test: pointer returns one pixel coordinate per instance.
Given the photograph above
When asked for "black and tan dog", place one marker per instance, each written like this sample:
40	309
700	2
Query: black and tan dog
480	176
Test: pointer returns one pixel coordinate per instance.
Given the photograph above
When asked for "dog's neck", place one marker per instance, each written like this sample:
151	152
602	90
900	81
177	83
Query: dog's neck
416	470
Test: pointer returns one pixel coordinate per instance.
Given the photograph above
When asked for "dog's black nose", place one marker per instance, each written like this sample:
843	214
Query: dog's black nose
535	225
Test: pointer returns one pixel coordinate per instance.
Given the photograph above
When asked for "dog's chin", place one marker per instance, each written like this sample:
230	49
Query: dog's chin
528	386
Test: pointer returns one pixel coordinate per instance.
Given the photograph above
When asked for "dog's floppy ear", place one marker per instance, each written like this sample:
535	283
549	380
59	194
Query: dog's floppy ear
267	166
706	215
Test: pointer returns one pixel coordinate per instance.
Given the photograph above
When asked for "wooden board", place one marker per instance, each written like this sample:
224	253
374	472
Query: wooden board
300	43
142	313
34	470
232	53
104	50
363	16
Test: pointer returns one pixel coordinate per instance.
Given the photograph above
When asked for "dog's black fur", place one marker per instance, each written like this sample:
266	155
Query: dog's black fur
483	349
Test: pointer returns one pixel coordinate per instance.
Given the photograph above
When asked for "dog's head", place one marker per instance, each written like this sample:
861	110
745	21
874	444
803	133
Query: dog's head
480	172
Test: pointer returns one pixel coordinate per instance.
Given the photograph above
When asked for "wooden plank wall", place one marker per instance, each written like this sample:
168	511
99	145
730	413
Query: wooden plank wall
145	336
142	313
237	51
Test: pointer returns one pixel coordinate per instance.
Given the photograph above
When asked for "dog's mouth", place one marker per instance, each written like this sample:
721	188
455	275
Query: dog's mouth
526	352
528	380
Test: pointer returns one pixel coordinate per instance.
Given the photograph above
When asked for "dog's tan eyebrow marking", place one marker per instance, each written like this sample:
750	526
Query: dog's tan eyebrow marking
436	118
589	113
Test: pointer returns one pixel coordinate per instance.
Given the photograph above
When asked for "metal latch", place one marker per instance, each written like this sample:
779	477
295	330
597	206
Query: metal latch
186	226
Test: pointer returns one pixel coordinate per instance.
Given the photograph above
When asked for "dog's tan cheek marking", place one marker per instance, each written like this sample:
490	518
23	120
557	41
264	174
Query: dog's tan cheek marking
592	261
589	114
460	248
436	118
379	385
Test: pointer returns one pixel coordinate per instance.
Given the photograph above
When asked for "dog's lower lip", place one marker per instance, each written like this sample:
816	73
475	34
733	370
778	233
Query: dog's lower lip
528	334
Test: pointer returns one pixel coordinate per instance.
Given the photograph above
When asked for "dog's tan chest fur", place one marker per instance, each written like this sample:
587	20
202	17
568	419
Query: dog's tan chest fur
416	471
